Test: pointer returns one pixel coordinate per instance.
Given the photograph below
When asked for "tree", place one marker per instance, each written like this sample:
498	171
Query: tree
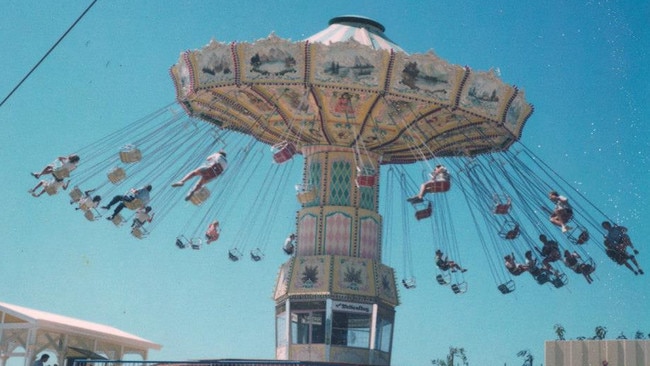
559	331
601	332
453	352
639	335
527	356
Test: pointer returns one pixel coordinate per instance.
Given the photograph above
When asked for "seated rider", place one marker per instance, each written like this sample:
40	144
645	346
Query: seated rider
68	163
444	264
513	267
49	185
141	194
572	260
616	243
550	251
562	212
212	233
142	216
289	245
215	166
88	202
438	175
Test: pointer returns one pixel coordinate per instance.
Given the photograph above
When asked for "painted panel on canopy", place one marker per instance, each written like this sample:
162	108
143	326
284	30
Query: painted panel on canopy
294	109
426	76
386	289
272	59
348	64
391	116
310	275
517	114
485	95
212	65
354	276
282	284
182	79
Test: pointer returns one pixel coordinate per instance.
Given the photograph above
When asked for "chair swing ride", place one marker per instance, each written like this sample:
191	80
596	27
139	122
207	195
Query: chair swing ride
347	101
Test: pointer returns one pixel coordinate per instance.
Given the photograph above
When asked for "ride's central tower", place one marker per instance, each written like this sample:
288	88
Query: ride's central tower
335	300
349	100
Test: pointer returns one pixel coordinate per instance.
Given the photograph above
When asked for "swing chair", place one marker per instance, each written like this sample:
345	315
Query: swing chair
437	186
283	151
366	176
130	154
234	254
256	255
90	216
61	173
305	193
116	175
507	287
409	283
75	195
423	209
444	278
181	242
502	205
139	232
459	288
509	230
118	220
582	237
559	281
133	204
200	196
51	189
195	243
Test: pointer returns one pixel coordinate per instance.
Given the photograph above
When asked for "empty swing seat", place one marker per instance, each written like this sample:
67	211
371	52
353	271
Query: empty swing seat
130	154
256	255
200	196
75	194
116	175
117	220
234	254
305	193
180	243
459	288
582	238
89	215
442	280
408	283
283	151
507	287
366	177
425	212
559	281
501	208
437	186
139	232
195	244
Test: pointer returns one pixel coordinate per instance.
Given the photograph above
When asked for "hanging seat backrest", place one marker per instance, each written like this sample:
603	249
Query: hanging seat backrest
256	255
366	177
89	215
509	230
61	173
134	204
234	254
200	196
139	232
442	280
501	208
424	212
75	194
181	242
459	288
195	244
437	186
130	154
86	204
118	220
116	175
305	193
409	283
283	151
51	189
582	237
507	287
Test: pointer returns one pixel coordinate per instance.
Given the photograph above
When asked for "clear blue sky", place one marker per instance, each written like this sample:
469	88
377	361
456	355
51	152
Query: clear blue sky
585	67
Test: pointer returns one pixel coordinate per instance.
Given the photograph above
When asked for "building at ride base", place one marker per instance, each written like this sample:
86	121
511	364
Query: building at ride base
617	352
349	100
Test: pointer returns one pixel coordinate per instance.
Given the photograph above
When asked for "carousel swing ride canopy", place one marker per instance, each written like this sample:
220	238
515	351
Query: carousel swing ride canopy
350	86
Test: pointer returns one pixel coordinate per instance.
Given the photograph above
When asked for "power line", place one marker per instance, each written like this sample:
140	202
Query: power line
47	54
